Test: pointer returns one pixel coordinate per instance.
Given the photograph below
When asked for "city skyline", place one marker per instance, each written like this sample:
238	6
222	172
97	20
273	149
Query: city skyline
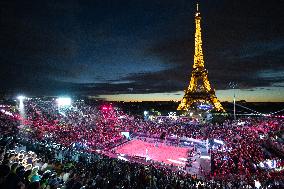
143	50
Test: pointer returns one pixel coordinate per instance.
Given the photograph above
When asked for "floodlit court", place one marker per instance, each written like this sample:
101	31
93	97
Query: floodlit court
161	152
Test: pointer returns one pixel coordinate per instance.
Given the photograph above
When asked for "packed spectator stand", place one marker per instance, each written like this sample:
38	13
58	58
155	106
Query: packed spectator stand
31	146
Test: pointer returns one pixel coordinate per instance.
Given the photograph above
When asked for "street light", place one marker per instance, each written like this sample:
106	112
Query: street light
233	85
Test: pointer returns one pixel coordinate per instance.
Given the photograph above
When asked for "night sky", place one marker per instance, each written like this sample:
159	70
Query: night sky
140	49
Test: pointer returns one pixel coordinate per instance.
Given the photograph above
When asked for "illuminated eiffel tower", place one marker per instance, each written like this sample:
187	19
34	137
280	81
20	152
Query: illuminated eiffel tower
199	91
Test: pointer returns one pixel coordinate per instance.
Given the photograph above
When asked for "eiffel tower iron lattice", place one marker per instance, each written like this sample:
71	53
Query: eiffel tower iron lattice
199	90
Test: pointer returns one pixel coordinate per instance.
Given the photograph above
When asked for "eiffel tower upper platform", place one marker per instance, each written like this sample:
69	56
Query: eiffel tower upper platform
199	92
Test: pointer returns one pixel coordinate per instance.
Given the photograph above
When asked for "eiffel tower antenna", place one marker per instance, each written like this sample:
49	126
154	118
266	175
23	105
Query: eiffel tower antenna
197	7
199	91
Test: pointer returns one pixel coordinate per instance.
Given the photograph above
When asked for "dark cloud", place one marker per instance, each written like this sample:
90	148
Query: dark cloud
114	47
240	42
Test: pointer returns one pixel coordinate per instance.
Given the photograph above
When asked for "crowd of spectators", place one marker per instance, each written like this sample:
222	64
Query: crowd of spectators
102	172
237	164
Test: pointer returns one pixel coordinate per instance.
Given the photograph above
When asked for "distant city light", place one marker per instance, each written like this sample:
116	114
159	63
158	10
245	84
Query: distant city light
172	115
64	101
205	107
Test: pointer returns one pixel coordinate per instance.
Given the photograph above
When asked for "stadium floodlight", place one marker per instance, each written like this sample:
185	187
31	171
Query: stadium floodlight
146	113
64	101
21	97
21	107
